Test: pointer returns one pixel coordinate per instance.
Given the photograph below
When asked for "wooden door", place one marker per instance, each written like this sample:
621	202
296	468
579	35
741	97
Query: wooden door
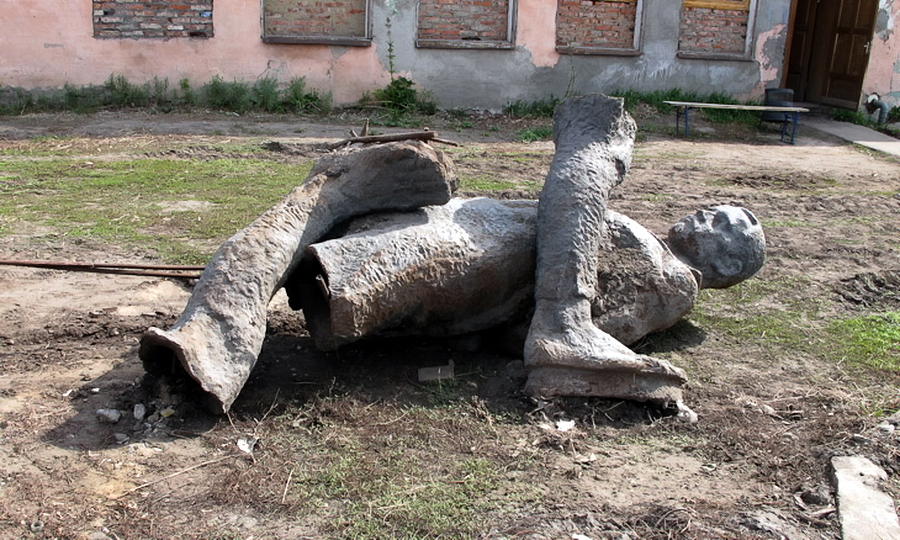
849	52
800	47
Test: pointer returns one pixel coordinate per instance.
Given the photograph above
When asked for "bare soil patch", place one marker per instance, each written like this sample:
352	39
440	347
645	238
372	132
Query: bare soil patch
754	466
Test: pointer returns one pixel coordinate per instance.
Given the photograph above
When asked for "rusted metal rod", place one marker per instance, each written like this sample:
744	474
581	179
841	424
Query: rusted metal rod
390	137
153	270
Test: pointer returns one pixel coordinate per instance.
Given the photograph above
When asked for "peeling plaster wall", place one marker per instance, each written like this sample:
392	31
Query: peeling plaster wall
46	43
883	73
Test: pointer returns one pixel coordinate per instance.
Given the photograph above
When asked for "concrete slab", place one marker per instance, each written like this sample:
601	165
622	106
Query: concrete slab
866	512
860	135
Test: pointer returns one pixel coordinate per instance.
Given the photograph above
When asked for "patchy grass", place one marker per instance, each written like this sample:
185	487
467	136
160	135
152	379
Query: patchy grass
796	325
872	341
792	223
484	183
386	456
128	201
375	469
781	332
657	197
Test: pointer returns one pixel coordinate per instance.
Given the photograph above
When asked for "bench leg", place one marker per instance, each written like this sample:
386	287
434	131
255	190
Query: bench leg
792	118
679	111
796	118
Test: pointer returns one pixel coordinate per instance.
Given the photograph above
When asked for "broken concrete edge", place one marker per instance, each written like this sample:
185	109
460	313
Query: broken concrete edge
159	354
865	510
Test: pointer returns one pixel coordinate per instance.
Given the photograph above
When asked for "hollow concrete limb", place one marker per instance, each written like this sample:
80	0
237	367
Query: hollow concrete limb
594	139
442	270
219	335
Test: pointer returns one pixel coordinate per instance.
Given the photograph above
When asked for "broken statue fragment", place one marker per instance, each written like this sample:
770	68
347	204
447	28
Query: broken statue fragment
566	354
219	335
468	266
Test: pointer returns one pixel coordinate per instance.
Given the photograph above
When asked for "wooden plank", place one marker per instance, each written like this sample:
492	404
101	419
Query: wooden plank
699	105
739	5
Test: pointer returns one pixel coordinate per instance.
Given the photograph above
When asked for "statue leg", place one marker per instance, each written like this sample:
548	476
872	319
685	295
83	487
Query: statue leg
219	335
565	352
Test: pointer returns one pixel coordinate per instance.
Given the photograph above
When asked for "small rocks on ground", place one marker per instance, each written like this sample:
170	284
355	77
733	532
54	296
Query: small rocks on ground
109	416
140	410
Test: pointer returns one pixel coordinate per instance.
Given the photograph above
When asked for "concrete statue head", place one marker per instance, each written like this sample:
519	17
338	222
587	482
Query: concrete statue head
725	244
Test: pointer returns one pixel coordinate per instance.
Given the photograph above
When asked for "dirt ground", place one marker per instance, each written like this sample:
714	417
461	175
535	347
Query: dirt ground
754	466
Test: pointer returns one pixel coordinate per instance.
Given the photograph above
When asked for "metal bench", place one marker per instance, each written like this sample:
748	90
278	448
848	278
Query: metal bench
791	114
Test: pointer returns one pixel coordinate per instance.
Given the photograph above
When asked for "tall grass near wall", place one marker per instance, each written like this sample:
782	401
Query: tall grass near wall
266	95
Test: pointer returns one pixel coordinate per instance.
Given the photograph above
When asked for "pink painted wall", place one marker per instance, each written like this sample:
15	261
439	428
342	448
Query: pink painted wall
537	21
45	41
883	73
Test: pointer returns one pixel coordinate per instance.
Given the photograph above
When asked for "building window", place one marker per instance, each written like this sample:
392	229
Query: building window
329	22
598	26
716	29
466	24
160	19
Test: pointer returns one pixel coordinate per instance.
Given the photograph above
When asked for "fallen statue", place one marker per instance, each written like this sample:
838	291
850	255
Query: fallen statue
468	266
574	282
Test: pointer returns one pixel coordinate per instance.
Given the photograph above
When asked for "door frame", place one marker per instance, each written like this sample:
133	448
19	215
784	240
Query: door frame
789	43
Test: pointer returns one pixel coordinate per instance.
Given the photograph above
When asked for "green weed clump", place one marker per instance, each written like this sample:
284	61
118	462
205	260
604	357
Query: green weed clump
854	117
119	93
532	134
866	120
264	95
402	104
542	108
298	99
401	96
655	99
230	96
893	114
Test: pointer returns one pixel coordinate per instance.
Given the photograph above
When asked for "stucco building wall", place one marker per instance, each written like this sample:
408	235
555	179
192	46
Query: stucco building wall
47	43
883	75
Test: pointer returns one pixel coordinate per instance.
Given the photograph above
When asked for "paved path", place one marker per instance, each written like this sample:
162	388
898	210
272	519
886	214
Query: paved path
854	133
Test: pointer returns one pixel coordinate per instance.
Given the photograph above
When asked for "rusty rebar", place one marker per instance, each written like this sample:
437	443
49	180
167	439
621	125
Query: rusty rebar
127	269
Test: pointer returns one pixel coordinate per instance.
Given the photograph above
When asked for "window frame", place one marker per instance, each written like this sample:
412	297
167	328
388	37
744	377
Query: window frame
636	43
750	6
507	44
349	41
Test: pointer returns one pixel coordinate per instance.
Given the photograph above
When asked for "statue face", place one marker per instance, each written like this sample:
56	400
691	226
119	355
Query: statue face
725	243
